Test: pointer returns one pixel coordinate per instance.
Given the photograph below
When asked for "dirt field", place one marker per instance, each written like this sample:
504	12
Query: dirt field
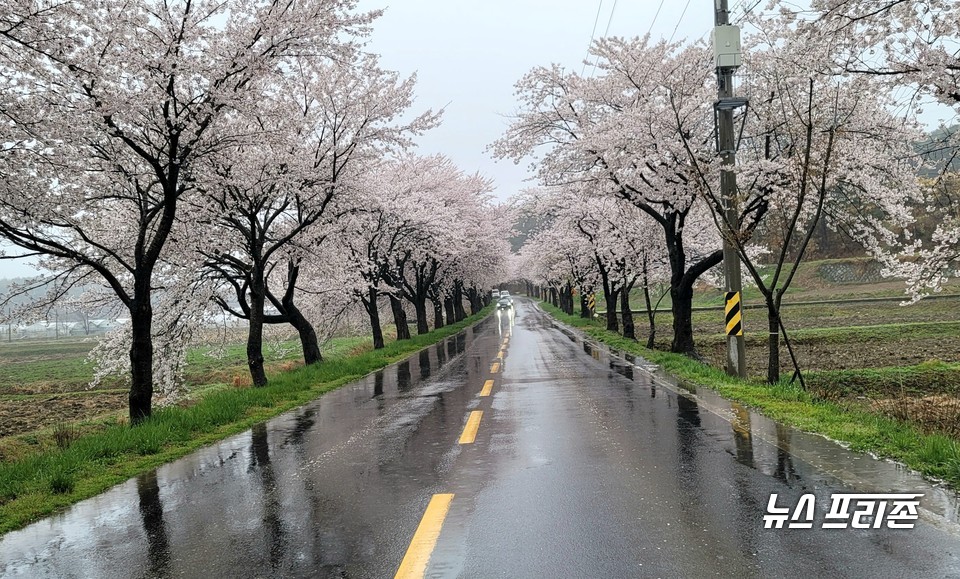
45	383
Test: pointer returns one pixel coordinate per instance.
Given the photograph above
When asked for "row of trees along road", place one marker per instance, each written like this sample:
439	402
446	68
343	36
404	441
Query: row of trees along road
629	170
171	156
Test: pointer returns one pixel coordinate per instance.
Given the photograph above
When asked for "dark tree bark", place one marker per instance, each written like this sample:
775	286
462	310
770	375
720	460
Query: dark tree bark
584	304
651	317
308	336
682	296
681	284
437	313
458	310
626	314
448	308
141	361
420	309
255	330
610	297
289	311
476	303
773	340
370	304
566	296
399	318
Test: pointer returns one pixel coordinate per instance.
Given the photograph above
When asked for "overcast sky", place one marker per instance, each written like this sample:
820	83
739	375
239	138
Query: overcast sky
468	55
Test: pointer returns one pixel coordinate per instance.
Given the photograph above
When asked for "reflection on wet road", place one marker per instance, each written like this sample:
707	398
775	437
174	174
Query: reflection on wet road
515	449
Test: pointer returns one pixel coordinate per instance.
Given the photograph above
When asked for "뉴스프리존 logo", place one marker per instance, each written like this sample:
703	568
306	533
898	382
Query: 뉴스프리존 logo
847	510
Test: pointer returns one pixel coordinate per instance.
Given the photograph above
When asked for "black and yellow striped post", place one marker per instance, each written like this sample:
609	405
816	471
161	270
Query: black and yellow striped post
734	316
592	304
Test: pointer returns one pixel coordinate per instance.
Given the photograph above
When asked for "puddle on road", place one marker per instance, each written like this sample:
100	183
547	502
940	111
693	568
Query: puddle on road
770	447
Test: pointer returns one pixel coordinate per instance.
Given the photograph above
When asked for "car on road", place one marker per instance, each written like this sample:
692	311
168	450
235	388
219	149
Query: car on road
504	303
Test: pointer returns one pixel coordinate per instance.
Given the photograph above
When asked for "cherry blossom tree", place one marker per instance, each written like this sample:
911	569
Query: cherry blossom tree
111	110
622	130
442	204
910	46
420	231
267	201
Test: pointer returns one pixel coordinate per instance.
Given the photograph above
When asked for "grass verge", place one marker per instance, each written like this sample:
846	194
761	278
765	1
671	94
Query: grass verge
934	455
45	482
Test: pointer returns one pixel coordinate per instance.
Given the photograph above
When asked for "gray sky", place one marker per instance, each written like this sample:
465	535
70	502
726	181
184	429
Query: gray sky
470	54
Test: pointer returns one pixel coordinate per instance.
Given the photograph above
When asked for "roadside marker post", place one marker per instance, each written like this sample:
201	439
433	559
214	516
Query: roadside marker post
734	317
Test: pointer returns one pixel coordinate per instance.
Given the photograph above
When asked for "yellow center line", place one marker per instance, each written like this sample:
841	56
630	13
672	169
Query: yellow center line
487	388
495	368
414	563
470	430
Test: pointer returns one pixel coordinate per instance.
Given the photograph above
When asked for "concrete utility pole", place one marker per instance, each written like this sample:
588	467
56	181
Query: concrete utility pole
726	41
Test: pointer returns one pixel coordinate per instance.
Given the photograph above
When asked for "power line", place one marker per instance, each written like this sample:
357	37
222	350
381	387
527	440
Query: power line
684	13
606	33
592	35
660	7
609	20
747	11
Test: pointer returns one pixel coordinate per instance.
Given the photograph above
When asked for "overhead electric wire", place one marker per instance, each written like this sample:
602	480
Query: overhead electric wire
606	32
592	35
655	16
747	11
684	13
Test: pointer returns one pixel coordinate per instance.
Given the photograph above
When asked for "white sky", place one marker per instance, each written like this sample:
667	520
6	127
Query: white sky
468	55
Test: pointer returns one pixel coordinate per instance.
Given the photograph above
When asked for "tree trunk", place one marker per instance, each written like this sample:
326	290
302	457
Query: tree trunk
682	296
437	313
448	308
141	359
308	335
420	308
255	338
611	298
584	305
651	317
628	329
568	299
374	313
458	302
476	304
399	318
288	308
773	341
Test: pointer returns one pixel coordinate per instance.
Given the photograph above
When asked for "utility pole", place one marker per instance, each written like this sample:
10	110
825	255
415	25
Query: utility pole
726	43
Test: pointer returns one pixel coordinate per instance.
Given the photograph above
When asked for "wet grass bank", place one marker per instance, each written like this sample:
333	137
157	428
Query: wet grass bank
42	483
933	454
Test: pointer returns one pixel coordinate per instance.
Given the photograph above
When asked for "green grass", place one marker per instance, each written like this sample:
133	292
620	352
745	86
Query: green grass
934	455
42	483
932	377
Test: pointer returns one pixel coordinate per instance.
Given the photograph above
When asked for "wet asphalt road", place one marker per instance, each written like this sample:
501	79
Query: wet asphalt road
584	465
